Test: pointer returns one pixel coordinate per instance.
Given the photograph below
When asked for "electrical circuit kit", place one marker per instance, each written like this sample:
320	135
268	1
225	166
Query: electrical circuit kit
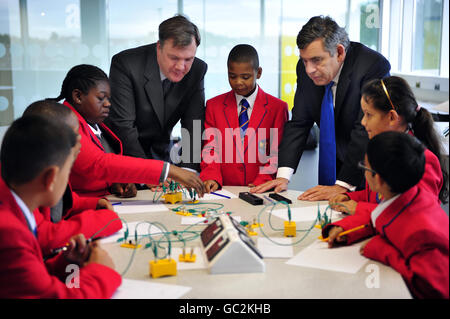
226	244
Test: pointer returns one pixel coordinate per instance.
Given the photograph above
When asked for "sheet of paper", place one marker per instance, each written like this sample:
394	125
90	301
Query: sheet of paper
201	220
275	247
137	207
142	230
213	197
140	289
318	255
199	260
304	214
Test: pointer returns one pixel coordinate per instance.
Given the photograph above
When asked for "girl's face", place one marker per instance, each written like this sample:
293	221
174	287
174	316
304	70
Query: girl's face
374	120
94	106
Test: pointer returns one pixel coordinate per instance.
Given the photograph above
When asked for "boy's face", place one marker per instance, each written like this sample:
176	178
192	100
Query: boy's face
370	177
94	106
242	77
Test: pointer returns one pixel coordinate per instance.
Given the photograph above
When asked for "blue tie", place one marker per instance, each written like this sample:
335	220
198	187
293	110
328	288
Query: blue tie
243	116
327	141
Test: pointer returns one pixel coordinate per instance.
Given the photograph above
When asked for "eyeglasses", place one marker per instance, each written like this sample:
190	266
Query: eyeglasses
387	94
364	167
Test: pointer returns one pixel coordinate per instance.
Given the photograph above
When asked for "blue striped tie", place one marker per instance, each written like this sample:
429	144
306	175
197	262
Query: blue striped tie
327	140
243	116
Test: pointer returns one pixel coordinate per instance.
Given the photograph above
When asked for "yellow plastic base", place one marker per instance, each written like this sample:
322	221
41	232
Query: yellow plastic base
187	258
251	232
163	267
256	225
290	229
173	198
183	213
194	201
130	245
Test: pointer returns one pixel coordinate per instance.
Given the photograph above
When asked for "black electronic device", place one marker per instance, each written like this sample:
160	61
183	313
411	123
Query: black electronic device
250	198
280	198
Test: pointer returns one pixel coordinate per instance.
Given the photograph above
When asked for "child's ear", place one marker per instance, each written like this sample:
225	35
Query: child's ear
258	74
394	118
49	178
76	96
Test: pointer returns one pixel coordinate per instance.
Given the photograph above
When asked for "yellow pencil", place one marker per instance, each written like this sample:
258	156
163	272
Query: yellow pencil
348	231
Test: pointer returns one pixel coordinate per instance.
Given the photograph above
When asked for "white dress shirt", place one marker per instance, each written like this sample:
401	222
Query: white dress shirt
26	212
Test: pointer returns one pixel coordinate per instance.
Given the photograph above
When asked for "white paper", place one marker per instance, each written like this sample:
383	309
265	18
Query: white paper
277	248
140	289
142	230
188	220
130	208
213	197
318	255
304	214
199	260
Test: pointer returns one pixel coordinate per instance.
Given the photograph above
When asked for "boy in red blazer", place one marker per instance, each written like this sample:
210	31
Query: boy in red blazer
243	127
73	214
409	228
40	179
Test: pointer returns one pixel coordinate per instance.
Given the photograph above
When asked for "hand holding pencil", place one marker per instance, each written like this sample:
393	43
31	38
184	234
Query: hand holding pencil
337	235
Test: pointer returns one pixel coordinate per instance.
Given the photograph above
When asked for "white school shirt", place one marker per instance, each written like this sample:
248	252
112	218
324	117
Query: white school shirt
26	212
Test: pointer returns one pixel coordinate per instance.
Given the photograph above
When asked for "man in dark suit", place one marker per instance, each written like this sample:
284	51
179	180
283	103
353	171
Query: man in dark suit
155	86
328	56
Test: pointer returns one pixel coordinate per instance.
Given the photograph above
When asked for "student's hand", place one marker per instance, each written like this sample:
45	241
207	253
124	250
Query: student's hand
211	186
278	185
348	206
124	190
363	245
333	238
99	256
321	192
77	251
187	178
103	203
158	188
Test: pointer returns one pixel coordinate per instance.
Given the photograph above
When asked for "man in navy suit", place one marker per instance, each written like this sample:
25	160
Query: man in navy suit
155	86
326	55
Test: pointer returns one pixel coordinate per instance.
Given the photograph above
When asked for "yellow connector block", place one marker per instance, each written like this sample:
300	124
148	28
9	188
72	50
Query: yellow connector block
163	267
173	197
183	213
290	229
318	226
132	246
194	201
251	232
256	225
187	258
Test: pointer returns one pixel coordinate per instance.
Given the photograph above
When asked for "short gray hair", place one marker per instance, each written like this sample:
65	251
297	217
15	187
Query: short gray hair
180	30
324	28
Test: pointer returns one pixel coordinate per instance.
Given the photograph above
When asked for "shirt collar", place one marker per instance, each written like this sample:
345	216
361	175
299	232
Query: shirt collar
381	207
26	211
163	77
336	78
95	129
250	99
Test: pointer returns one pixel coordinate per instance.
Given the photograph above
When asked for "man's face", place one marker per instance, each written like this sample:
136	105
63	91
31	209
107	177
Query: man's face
175	62
320	66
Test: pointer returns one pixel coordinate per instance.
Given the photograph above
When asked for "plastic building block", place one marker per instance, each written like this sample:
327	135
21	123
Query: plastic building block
130	245
163	267
173	197
290	229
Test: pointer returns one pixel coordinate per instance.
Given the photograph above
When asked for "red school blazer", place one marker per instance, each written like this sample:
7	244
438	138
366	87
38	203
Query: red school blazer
432	181
94	170
235	163
24	274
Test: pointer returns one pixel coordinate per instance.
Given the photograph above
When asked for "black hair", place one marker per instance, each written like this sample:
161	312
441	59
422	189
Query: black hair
398	158
180	30
31	144
48	108
417	118
325	28
82	77
244	53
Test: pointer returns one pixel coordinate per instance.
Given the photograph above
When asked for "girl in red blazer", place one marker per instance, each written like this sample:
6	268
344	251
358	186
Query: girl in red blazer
36	156
409	228
242	152
389	105
100	163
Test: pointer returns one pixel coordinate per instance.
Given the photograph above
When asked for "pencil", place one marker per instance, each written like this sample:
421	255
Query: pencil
217	194
348	231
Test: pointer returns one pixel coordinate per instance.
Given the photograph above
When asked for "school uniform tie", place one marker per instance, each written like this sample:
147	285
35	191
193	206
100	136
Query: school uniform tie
327	141
243	116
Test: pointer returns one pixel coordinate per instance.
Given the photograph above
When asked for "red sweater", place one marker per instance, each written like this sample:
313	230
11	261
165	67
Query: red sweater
23	274
94	170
